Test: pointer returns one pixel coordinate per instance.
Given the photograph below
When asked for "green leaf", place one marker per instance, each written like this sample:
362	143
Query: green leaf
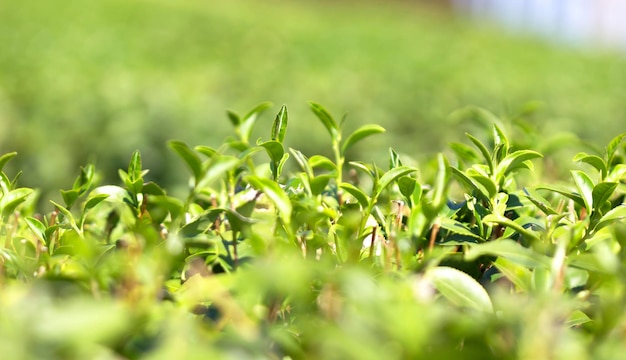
585	188
37	227
509	250
394	159
281	164
247	122
504	221
577	318
487	183
519	275
358	194
436	198
206	150
68	215
324	116
540	202
5	159
565	192
407	186
151	188
217	168
234	118
464	152
10	201
457	228
189	157
274	192
319	161
391	176
514	161
319	183
172	205
501	143
94	200
610	149
483	150
70	197
459	288
472	187
360	134
134	166
303	161
616	214
593	160
273	148
601	194
280	125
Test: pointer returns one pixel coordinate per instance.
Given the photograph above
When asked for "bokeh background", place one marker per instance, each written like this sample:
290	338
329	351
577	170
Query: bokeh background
91	81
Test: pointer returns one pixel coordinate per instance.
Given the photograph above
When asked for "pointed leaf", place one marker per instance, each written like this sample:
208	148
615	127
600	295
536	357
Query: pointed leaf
233	117
601	194
94	200
509	250
618	213
459	288
483	150
280	125
247	122
36	226
5	159
322	162
593	160
274	192
319	183
273	148
134	166
407	186
327	120
358	194
391	176
471	185
303	161
585	188
206	150
487	183
458	228
540	202
394	159
610	149
189	157
10	201
565	192
464	152
217	168
513	161
504	221
360	134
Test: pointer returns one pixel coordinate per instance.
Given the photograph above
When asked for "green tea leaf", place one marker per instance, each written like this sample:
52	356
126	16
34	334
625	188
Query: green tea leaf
94	200
509	250
37	227
471	185
10	201
273	148
601	194
483	150
217	168
275	193
190	158
247	122
504	221
320	161
565	192
5	159
514	161
391	176
327	120
358	194
610	149
457	228
585	188
280	125
597	162
360	134
206	150
459	288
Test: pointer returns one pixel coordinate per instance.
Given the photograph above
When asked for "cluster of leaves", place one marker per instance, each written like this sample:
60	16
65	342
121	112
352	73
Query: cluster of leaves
337	259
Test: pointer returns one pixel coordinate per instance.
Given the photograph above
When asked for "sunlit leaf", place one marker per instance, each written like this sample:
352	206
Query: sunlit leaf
360	134
459	288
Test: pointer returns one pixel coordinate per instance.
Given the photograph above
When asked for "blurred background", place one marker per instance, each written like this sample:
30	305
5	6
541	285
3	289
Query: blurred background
91	81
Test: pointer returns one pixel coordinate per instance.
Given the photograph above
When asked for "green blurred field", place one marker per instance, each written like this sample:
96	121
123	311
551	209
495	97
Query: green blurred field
92	81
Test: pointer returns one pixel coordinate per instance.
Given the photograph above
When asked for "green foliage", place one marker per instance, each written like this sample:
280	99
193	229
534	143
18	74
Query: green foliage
457	258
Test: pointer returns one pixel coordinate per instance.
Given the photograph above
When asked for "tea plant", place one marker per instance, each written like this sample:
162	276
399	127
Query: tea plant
335	259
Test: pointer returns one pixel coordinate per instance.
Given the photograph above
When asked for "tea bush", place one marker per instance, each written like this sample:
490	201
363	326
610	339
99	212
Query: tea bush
470	255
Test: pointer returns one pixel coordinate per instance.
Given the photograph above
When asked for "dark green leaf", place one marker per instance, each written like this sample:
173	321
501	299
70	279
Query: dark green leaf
407	186
360	134
69	197
94	200
233	117
504	221
318	183
602	193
